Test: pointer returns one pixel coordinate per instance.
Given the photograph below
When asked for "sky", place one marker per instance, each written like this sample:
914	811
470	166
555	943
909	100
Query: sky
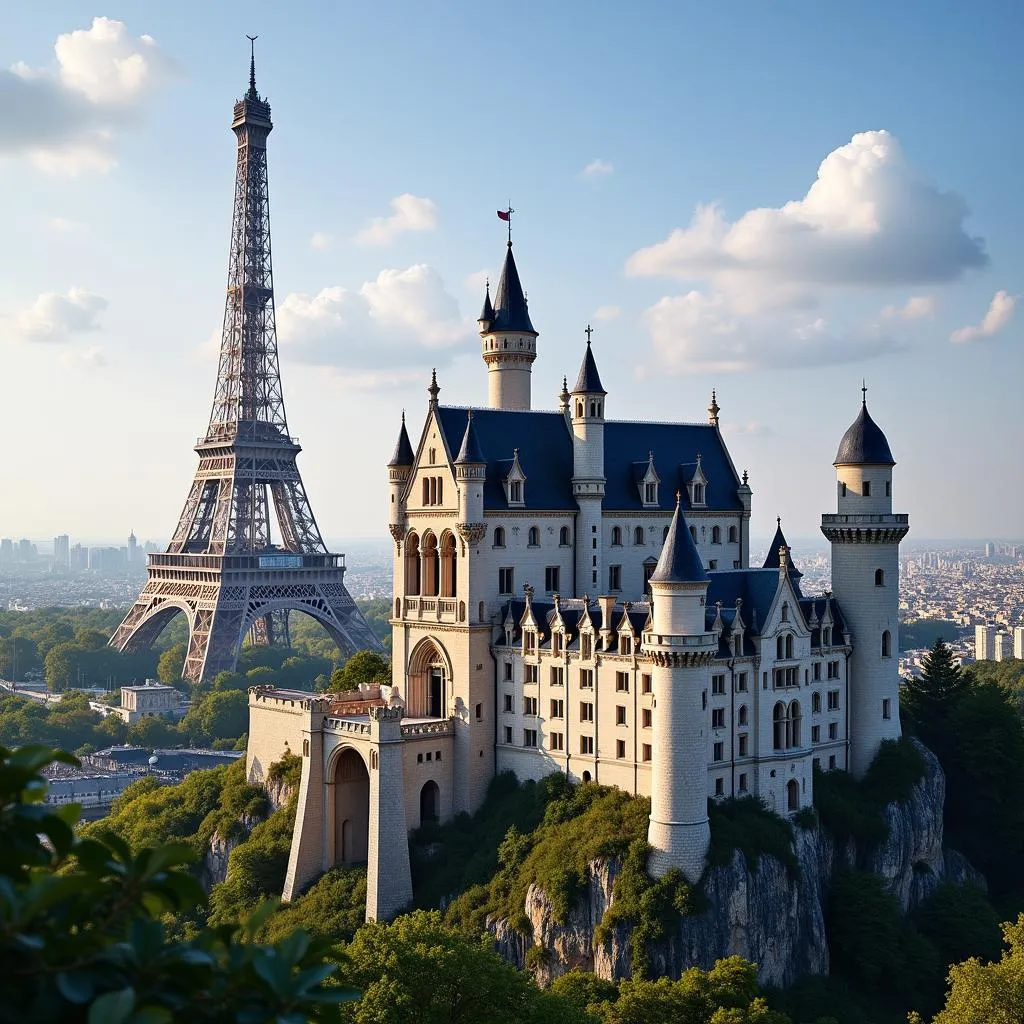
773	200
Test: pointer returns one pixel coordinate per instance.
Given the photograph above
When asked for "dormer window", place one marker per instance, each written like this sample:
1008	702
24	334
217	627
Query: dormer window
625	644
586	646
556	643
698	494
826	637
514	482
647	481
650	494
515	492
529	641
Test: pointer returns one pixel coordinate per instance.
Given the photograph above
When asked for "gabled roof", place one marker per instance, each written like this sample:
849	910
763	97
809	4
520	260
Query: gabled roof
403	449
589	380
510	312
680	562
864	444
470	452
772	561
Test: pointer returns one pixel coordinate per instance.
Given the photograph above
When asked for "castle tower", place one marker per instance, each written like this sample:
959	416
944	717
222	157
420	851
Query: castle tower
865	535
681	650
509	341
588	481
470	470
399	468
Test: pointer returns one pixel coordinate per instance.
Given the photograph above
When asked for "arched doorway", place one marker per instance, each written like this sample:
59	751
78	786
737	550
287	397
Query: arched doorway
792	795
429	681
351	809
430	802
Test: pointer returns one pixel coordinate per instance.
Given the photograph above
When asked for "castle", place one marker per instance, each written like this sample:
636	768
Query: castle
573	593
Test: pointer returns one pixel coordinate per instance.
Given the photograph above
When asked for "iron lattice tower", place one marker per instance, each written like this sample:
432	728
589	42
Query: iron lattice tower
223	568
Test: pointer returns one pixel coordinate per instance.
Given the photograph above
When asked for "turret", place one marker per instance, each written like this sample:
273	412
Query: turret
470	469
681	648
865	536
399	468
509	341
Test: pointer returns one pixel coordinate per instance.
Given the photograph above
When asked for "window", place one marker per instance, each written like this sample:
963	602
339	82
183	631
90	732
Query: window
664	535
826	637
719	787
432	455
785	611
551	579
529	737
508	734
563	537
842	490
614	577
426	490
650	494
789	646
832	763
506	579
499	537
733	534
530	706
533	537
693	534
645	682
886	644
698	494
833	730
716	535
558	709
645	752
557	675
713	564
886	708
741	683
743	782
479	712
586	678
508	703
815	733
833	700
620	714
625	644
833	670
622	682
638	536
817	671
815	703
556	643
515	492
620	748
742	716
616	536
556	741
718	718
718	751
718	685
779	727
645	718
587	745
586	646
508	671
530	673
743	744
879	577
530	646
888	488
866	489
586	711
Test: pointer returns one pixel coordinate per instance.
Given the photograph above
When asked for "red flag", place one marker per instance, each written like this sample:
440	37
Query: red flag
505	214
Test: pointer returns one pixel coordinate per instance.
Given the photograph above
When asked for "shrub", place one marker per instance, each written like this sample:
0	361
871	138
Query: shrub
745	824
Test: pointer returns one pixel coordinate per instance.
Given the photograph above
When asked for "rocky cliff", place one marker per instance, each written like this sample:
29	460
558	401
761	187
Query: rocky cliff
767	915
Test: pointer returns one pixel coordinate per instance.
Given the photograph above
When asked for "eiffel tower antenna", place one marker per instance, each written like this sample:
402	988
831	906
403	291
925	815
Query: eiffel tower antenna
223	568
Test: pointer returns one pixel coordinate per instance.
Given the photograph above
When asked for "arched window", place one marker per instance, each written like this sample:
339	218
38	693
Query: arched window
886	644
579	410
499	537
563	536
693	533
533	537
448	565
793	730
815	702
793	795
789	645
638	535
429	801
780	648
785	611
616	535
716	535
741	715
412	564
779	727
733	534
593	408
431	564
879	577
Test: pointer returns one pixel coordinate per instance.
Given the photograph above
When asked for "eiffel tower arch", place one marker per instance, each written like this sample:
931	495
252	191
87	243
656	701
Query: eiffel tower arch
227	569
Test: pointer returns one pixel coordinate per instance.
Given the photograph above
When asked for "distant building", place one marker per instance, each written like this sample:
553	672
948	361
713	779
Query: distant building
61	551
1018	643
133	549
138	759
6	551
26	550
78	559
151	700
1003	649
984	643
107	560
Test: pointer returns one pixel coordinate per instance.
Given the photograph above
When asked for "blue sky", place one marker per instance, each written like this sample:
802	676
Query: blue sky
650	151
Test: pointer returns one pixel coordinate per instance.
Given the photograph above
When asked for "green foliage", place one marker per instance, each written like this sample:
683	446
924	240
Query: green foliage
81	935
584	990
221	714
171	663
287	770
960	922
362	667
930	701
745	824
334	907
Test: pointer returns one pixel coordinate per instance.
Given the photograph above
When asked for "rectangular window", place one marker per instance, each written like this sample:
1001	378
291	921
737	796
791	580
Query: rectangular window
551	579
645	752
817	671
719	787
586	744
529	705
833	670
508	734
506	579
645	718
886	713
717	685
625	645
556	741
558	709
866	489
586	678
620	714
743	744
530	673
817	764
586	646
645	682
713	564
515	494
622	682
620	749
529	737
614	577
833	700
833	730
888	488
719	754
556	644
741	683
557	675
832	763
509	708
718	718
764	680
743	782
586	711
815	733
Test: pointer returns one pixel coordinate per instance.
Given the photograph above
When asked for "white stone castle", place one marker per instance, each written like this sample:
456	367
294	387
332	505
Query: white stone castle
573	593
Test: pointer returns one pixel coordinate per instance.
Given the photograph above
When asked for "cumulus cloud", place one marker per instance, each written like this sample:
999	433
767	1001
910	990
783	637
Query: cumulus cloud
321	240
411	213
597	169
54	317
387	331
917	307
1000	313
607	313
65	120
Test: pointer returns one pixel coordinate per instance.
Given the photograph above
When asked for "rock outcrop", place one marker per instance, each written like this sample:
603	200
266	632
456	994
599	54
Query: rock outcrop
766	914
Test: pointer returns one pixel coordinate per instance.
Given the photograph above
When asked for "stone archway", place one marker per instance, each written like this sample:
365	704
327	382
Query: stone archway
792	795
430	678
430	802
351	809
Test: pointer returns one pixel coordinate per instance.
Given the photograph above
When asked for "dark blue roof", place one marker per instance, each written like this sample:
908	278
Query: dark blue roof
772	561
470	451
403	449
510	312
589	380
487	313
680	562
864	444
756	587
546	458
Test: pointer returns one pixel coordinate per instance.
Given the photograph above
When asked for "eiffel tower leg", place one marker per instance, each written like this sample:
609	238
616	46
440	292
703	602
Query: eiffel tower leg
146	620
345	621
215	641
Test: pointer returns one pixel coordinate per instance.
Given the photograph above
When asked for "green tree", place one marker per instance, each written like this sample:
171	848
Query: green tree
170	665
362	667
931	700
221	714
61	666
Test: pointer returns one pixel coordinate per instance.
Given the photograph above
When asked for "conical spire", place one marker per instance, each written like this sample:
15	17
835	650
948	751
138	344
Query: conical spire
774	558
589	380
403	456
470	453
680	561
510	312
486	317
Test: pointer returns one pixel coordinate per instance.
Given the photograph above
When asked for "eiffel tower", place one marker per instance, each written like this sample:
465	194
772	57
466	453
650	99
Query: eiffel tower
222	568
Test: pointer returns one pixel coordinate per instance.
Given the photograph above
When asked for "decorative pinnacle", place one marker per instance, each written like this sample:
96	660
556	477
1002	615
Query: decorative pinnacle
588	332
713	409
434	388
252	66
744	477
864	391
679	497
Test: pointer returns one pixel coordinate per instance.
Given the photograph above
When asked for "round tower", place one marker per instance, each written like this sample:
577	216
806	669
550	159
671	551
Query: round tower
586	408
470	470
681	650
509	341
399	468
865	535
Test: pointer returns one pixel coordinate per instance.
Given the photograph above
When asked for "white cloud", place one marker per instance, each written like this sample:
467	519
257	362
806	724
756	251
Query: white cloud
917	307
753	428
321	240
64	225
411	213
54	317
476	283
385	332
1000	313
66	120
607	313
91	358
597	169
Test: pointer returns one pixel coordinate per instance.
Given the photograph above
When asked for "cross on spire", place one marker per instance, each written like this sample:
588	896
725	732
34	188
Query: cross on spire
588	332
864	391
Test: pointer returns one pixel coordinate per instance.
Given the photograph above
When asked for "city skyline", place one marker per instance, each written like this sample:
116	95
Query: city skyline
897	263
